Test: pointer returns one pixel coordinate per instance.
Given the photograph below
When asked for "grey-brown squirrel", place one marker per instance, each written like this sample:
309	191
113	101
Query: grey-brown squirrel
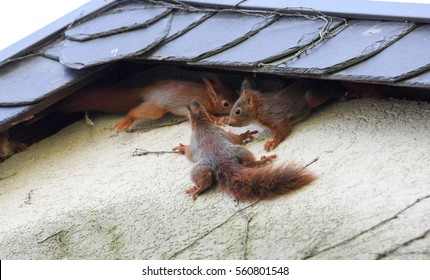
220	159
279	110
154	100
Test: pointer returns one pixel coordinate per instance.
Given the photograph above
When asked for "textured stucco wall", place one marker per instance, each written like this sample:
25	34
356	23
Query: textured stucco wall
81	194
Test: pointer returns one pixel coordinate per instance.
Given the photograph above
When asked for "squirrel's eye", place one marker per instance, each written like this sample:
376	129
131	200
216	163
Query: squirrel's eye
225	104
237	112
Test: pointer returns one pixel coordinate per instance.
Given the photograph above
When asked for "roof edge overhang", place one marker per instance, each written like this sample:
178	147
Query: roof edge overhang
357	9
42	35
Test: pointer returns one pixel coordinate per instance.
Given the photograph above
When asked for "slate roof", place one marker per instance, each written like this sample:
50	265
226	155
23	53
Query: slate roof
322	40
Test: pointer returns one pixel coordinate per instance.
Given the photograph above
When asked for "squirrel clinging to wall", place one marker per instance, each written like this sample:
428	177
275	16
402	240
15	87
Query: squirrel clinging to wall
220	159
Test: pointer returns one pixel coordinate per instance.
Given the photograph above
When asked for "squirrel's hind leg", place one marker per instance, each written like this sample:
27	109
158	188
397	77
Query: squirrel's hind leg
203	178
143	111
249	160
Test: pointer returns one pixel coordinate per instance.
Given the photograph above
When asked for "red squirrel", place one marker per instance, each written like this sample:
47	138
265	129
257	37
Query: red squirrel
220	159
154	100
8	146
279	110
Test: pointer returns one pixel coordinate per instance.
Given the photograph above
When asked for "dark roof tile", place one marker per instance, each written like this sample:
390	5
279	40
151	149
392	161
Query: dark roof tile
215	3
215	34
421	80
359	40
352	9
31	79
54	51
403	59
8	114
42	35
285	36
121	19
183	21
115	47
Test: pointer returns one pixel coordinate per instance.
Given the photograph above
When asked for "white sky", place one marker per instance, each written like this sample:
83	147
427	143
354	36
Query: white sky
19	18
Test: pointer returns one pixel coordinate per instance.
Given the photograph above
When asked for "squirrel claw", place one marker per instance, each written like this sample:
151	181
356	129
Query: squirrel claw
248	135
179	149
268	158
270	145
193	191
123	125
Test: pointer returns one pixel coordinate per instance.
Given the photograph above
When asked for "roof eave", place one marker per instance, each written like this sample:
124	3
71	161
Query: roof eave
51	30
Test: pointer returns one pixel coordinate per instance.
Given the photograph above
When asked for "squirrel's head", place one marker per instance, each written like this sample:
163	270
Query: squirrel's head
243	111
221	96
197	114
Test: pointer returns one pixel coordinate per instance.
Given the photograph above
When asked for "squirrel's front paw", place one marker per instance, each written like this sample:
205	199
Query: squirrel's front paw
220	121
270	145
248	135
268	158
179	149
123	125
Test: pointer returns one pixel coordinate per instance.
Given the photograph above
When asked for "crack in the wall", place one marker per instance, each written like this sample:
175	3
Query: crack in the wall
404	244
7	176
57	236
212	230
247	220
370	229
200	237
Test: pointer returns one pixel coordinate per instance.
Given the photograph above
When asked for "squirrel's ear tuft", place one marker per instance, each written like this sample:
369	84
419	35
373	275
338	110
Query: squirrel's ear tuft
194	107
210	90
246	94
246	84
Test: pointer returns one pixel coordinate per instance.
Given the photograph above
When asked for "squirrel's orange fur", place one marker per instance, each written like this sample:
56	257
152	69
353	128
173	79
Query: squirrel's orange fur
220	159
279	110
154	100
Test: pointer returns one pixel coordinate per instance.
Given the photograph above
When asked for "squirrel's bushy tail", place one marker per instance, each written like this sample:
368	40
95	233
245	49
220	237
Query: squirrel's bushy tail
267	182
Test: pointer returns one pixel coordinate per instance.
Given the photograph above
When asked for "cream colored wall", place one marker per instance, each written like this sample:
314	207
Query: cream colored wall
81	194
